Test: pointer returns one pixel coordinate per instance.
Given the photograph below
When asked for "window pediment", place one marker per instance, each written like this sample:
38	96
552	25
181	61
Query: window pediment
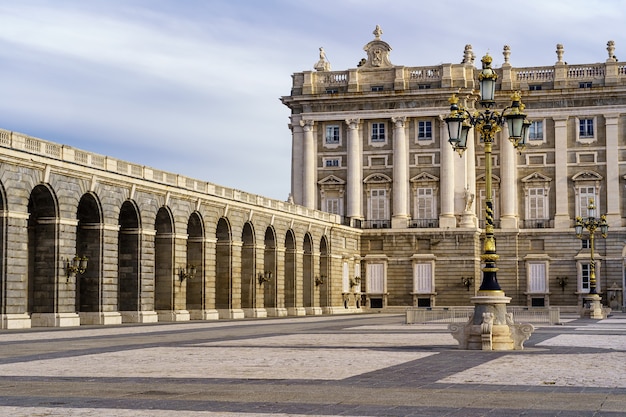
377	179
587	176
331	180
424	177
536	177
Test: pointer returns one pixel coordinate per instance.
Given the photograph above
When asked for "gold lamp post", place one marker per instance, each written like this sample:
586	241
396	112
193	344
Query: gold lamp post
592	224
487	123
490	328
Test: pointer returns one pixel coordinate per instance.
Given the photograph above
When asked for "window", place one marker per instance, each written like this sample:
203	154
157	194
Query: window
585	194
332	91
586	84
331	162
537	204
585	243
425	203
585	128
423	278
537	277
535	87
536	130
377	88
378	132
332	134
424	130
378	204
585	274
375	283
333	206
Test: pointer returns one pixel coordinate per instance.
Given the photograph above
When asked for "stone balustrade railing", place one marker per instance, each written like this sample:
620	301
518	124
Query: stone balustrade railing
561	75
35	146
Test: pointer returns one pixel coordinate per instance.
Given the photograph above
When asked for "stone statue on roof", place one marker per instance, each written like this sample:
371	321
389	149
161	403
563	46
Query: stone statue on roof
377	52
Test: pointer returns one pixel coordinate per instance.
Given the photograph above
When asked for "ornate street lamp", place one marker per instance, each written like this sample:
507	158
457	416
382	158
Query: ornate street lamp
487	123
591	223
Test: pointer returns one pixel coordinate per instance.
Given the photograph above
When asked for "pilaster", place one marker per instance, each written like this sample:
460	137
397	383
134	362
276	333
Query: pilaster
561	217
309	185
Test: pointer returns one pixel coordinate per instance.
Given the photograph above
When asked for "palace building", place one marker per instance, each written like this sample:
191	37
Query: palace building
383	213
370	144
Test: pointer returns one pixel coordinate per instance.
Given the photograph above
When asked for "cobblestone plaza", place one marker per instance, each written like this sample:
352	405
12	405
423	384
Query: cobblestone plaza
364	365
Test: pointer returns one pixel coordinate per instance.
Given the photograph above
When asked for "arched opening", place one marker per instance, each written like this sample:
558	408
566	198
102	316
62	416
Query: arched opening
290	270
164	261
223	266
42	251
324	273
307	272
195	259
269	260
129	258
248	267
89	245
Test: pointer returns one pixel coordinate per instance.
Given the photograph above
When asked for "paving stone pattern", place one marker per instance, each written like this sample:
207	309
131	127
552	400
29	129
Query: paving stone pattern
357	365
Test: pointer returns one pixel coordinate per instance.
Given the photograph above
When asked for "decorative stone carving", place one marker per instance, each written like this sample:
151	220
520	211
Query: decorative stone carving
486	331
377	52
507	53
610	48
468	55
559	53
322	64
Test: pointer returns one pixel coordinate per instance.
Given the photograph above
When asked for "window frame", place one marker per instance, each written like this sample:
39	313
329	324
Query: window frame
378	133
336	129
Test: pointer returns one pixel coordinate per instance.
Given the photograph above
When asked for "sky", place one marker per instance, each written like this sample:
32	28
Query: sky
193	87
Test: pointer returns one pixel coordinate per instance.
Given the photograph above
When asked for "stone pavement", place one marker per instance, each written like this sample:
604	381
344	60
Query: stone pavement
357	365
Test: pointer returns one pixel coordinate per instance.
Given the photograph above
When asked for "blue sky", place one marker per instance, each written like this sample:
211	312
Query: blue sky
193	86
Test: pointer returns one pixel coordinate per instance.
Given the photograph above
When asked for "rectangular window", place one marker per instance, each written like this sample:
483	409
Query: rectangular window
536	131
537	277
378	204
586	84
585	273
536	204
424	131
332	134
332	162
585	243
345	278
425	206
378	132
585	194
332	205
535	87
585	128
375	278
377	88
423	278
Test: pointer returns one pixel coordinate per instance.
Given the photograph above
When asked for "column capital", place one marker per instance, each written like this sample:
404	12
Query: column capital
399	121
307	124
353	123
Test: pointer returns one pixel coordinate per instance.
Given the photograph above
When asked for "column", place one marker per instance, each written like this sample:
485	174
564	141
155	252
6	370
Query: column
561	217
465	185
400	175
446	179
508	176
297	156
612	170
354	186
309	186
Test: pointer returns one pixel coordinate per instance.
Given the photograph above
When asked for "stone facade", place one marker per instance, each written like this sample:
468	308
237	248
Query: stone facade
370	144
158	246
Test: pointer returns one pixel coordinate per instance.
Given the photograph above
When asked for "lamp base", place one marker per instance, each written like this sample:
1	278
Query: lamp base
491	327
592	307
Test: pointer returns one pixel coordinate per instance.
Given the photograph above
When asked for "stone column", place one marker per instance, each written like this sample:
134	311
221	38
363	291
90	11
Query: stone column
400	190
508	176
465	186
354	191
13	313
297	157
612	170
235	296
446	179
309	185
561	217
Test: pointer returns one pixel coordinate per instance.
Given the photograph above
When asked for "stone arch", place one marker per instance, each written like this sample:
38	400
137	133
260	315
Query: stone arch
308	269
270	262
248	267
195	297
290	271
164	263
223	267
43	251
129	260
324	273
89	245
